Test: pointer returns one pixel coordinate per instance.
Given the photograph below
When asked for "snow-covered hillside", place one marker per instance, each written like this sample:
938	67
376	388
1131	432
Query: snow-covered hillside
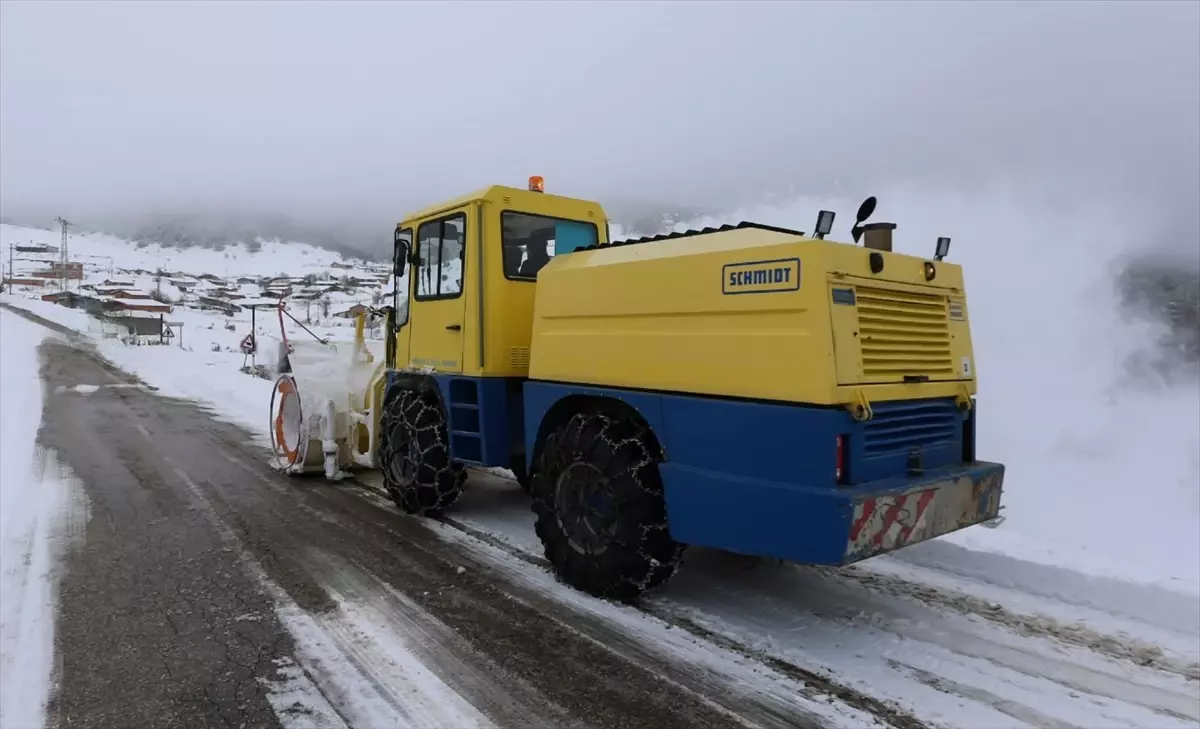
317	285
99	250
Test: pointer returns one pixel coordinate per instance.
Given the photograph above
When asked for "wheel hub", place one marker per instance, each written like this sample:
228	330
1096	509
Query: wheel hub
403	458
586	511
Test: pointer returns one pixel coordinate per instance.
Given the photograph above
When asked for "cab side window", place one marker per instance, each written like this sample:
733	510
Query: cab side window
530	241
439	268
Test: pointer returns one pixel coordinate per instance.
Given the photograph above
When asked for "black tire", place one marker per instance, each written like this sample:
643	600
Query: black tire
414	455
615	555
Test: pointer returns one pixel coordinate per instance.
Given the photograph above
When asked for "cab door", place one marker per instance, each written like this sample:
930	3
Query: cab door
397	350
438	308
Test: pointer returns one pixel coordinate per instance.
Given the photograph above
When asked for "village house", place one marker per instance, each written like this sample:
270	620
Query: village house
66	298
137	323
57	269
25	281
147	304
122	292
35	248
212	303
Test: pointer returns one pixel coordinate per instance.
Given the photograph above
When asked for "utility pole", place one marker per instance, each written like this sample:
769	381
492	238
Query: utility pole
65	258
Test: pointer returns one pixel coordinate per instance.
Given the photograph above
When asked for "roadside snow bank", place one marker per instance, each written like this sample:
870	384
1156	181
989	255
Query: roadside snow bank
41	509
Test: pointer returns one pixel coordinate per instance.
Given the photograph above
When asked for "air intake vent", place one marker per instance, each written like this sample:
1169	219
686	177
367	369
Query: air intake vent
904	425
518	358
903	334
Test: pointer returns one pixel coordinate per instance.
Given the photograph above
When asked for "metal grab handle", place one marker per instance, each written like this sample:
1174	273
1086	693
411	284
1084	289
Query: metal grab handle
455	327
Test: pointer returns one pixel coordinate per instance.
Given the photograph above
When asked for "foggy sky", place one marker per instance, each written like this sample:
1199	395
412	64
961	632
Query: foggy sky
372	108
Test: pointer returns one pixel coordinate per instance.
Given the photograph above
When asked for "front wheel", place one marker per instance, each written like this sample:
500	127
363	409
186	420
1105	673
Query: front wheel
414	455
600	511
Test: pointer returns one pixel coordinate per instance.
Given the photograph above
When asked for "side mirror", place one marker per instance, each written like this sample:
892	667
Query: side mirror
401	253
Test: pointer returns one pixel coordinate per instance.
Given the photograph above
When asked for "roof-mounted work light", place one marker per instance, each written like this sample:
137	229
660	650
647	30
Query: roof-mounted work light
824	224
943	248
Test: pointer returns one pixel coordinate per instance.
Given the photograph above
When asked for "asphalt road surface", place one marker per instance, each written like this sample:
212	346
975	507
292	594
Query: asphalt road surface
169	608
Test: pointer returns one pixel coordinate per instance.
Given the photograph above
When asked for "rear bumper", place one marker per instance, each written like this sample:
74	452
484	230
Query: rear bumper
831	526
888	519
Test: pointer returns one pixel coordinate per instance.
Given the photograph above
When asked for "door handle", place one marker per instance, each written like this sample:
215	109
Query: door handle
455	327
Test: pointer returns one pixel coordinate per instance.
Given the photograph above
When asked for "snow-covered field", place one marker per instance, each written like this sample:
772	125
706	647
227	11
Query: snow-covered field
1081	609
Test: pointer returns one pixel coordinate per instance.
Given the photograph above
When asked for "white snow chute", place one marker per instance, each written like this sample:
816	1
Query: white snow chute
323	405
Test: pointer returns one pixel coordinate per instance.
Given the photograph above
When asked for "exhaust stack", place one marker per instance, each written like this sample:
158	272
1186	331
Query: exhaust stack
878	236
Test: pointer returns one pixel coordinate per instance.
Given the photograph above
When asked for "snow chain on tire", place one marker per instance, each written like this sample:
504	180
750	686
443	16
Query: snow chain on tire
635	552
414	455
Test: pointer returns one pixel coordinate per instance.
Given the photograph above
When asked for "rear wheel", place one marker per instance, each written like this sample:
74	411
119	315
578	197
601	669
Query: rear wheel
414	454
600	511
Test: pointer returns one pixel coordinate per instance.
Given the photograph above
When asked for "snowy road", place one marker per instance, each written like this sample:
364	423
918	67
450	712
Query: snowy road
211	588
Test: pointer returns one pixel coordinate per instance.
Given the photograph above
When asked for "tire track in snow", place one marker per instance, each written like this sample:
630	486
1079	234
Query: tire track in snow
1121	647
359	688
384	616
704	652
1017	711
816	683
1081	686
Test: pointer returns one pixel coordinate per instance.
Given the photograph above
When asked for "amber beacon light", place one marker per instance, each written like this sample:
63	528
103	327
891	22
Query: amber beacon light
537	184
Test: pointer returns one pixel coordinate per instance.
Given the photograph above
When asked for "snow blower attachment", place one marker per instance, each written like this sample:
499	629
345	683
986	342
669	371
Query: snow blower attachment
321	407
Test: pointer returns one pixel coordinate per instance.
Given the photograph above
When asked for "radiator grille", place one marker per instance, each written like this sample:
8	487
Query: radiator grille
902	333
902	426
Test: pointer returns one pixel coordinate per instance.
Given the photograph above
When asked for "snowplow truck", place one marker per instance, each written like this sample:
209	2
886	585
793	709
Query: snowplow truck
748	388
